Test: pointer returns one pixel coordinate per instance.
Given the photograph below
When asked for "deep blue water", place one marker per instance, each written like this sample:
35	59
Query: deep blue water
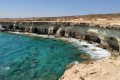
33	58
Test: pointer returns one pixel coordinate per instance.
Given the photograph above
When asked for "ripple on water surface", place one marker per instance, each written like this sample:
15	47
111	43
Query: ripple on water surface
32	58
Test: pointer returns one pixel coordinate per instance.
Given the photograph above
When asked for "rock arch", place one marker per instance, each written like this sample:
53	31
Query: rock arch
55	29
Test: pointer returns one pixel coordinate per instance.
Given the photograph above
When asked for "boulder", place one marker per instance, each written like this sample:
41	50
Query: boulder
113	43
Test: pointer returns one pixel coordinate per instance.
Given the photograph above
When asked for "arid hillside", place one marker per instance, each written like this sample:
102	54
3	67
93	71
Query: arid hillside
100	20
68	18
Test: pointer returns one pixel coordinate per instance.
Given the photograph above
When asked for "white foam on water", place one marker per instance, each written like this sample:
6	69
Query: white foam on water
95	52
0	26
7	68
32	34
16	32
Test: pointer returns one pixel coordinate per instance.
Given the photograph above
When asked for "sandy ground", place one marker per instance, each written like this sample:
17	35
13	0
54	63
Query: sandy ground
104	69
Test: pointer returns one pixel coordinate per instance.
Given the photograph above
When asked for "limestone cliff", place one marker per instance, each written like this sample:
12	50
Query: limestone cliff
103	29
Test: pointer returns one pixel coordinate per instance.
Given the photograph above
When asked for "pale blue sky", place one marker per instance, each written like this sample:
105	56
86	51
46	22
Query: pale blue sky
43	8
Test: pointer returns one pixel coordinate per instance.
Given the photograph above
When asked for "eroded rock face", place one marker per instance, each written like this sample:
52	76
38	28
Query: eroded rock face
42	31
17	27
22	29
92	38
70	34
50	30
55	29
11	27
39	30
2	29
113	43
34	30
60	32
5	27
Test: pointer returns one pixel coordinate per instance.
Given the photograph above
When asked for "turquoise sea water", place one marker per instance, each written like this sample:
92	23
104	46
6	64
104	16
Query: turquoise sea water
33	58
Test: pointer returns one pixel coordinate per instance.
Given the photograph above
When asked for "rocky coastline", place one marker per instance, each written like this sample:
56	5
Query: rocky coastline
107	38
105	34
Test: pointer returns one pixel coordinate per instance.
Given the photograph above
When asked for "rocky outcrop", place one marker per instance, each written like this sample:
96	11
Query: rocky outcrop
50	30
60	32
113	43
105	69
92	38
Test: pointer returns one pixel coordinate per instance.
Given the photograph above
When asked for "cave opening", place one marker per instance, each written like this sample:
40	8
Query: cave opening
11	27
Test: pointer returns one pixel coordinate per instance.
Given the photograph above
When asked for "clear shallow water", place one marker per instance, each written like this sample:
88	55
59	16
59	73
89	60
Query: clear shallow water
33	58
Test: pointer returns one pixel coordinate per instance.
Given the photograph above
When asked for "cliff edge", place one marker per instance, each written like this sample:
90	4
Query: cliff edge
111	21
105	69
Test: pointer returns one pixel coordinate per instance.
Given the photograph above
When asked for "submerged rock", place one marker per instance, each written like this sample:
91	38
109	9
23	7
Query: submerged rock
66	41
85	56
84	46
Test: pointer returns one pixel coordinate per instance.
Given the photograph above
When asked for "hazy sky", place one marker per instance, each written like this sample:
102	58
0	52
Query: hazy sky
42	8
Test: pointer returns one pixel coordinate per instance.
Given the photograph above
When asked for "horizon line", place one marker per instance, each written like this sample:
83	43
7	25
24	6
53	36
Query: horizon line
59	16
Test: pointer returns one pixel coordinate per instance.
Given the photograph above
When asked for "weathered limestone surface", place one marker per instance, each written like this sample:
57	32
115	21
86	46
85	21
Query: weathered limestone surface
105	69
